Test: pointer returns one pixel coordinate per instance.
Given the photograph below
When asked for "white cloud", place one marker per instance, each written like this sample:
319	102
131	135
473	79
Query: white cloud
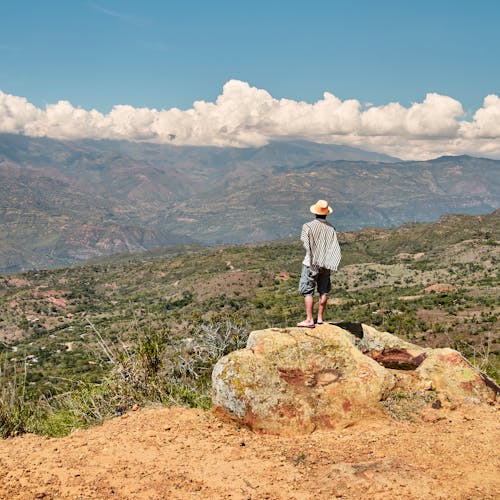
16	113
247	116
117	15
486	120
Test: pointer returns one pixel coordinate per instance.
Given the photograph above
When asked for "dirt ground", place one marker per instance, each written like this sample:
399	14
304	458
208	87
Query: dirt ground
175	453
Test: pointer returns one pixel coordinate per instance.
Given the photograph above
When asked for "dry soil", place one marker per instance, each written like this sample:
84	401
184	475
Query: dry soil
177	453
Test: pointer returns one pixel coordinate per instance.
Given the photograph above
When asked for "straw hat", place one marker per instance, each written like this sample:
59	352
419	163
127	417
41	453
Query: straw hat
321	207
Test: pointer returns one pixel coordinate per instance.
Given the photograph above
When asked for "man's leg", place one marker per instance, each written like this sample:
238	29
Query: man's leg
321	308
324	287
306	287
309	304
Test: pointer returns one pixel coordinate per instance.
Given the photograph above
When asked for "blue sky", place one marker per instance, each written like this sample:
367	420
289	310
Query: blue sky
170	53
414	79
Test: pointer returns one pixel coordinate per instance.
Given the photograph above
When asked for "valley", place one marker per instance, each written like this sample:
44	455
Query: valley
63	202
68	329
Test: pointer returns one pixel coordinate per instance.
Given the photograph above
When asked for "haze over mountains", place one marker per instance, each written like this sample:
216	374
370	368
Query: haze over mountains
65	201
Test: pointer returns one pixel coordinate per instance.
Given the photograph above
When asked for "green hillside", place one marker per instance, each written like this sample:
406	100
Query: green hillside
63	328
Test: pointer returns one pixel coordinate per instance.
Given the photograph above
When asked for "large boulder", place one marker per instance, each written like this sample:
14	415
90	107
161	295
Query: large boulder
295	380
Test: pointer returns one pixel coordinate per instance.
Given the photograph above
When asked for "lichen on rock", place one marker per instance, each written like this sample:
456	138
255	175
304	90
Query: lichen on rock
292	380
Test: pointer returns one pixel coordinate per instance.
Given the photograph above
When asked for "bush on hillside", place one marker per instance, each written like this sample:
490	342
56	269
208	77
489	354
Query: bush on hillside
156	368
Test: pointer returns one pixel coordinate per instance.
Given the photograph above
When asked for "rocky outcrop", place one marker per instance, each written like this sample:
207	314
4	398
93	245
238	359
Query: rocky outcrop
295	380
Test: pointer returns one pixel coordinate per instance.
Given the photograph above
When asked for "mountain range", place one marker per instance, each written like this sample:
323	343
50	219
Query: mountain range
63	202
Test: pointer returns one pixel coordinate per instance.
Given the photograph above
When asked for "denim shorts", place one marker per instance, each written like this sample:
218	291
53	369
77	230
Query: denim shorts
312	278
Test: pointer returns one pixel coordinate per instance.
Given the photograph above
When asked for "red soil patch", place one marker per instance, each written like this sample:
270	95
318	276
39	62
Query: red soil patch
58	301
18	282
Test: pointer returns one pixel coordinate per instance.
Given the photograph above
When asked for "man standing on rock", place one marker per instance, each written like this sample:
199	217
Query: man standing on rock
322	256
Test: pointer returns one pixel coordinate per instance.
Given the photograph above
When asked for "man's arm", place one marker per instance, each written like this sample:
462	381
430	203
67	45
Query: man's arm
304	237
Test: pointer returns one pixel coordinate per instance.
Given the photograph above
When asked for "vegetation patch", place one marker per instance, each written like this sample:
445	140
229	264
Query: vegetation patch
147	328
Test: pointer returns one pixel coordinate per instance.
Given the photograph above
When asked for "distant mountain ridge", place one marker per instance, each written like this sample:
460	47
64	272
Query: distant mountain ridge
362	194
65	201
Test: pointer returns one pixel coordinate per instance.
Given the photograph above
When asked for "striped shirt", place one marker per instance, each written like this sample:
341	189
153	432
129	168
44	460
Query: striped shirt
321	244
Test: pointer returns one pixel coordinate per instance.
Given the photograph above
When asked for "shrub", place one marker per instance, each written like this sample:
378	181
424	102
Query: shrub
156	368
16	412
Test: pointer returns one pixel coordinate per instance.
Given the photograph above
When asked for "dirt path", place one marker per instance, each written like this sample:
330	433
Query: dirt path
176	453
